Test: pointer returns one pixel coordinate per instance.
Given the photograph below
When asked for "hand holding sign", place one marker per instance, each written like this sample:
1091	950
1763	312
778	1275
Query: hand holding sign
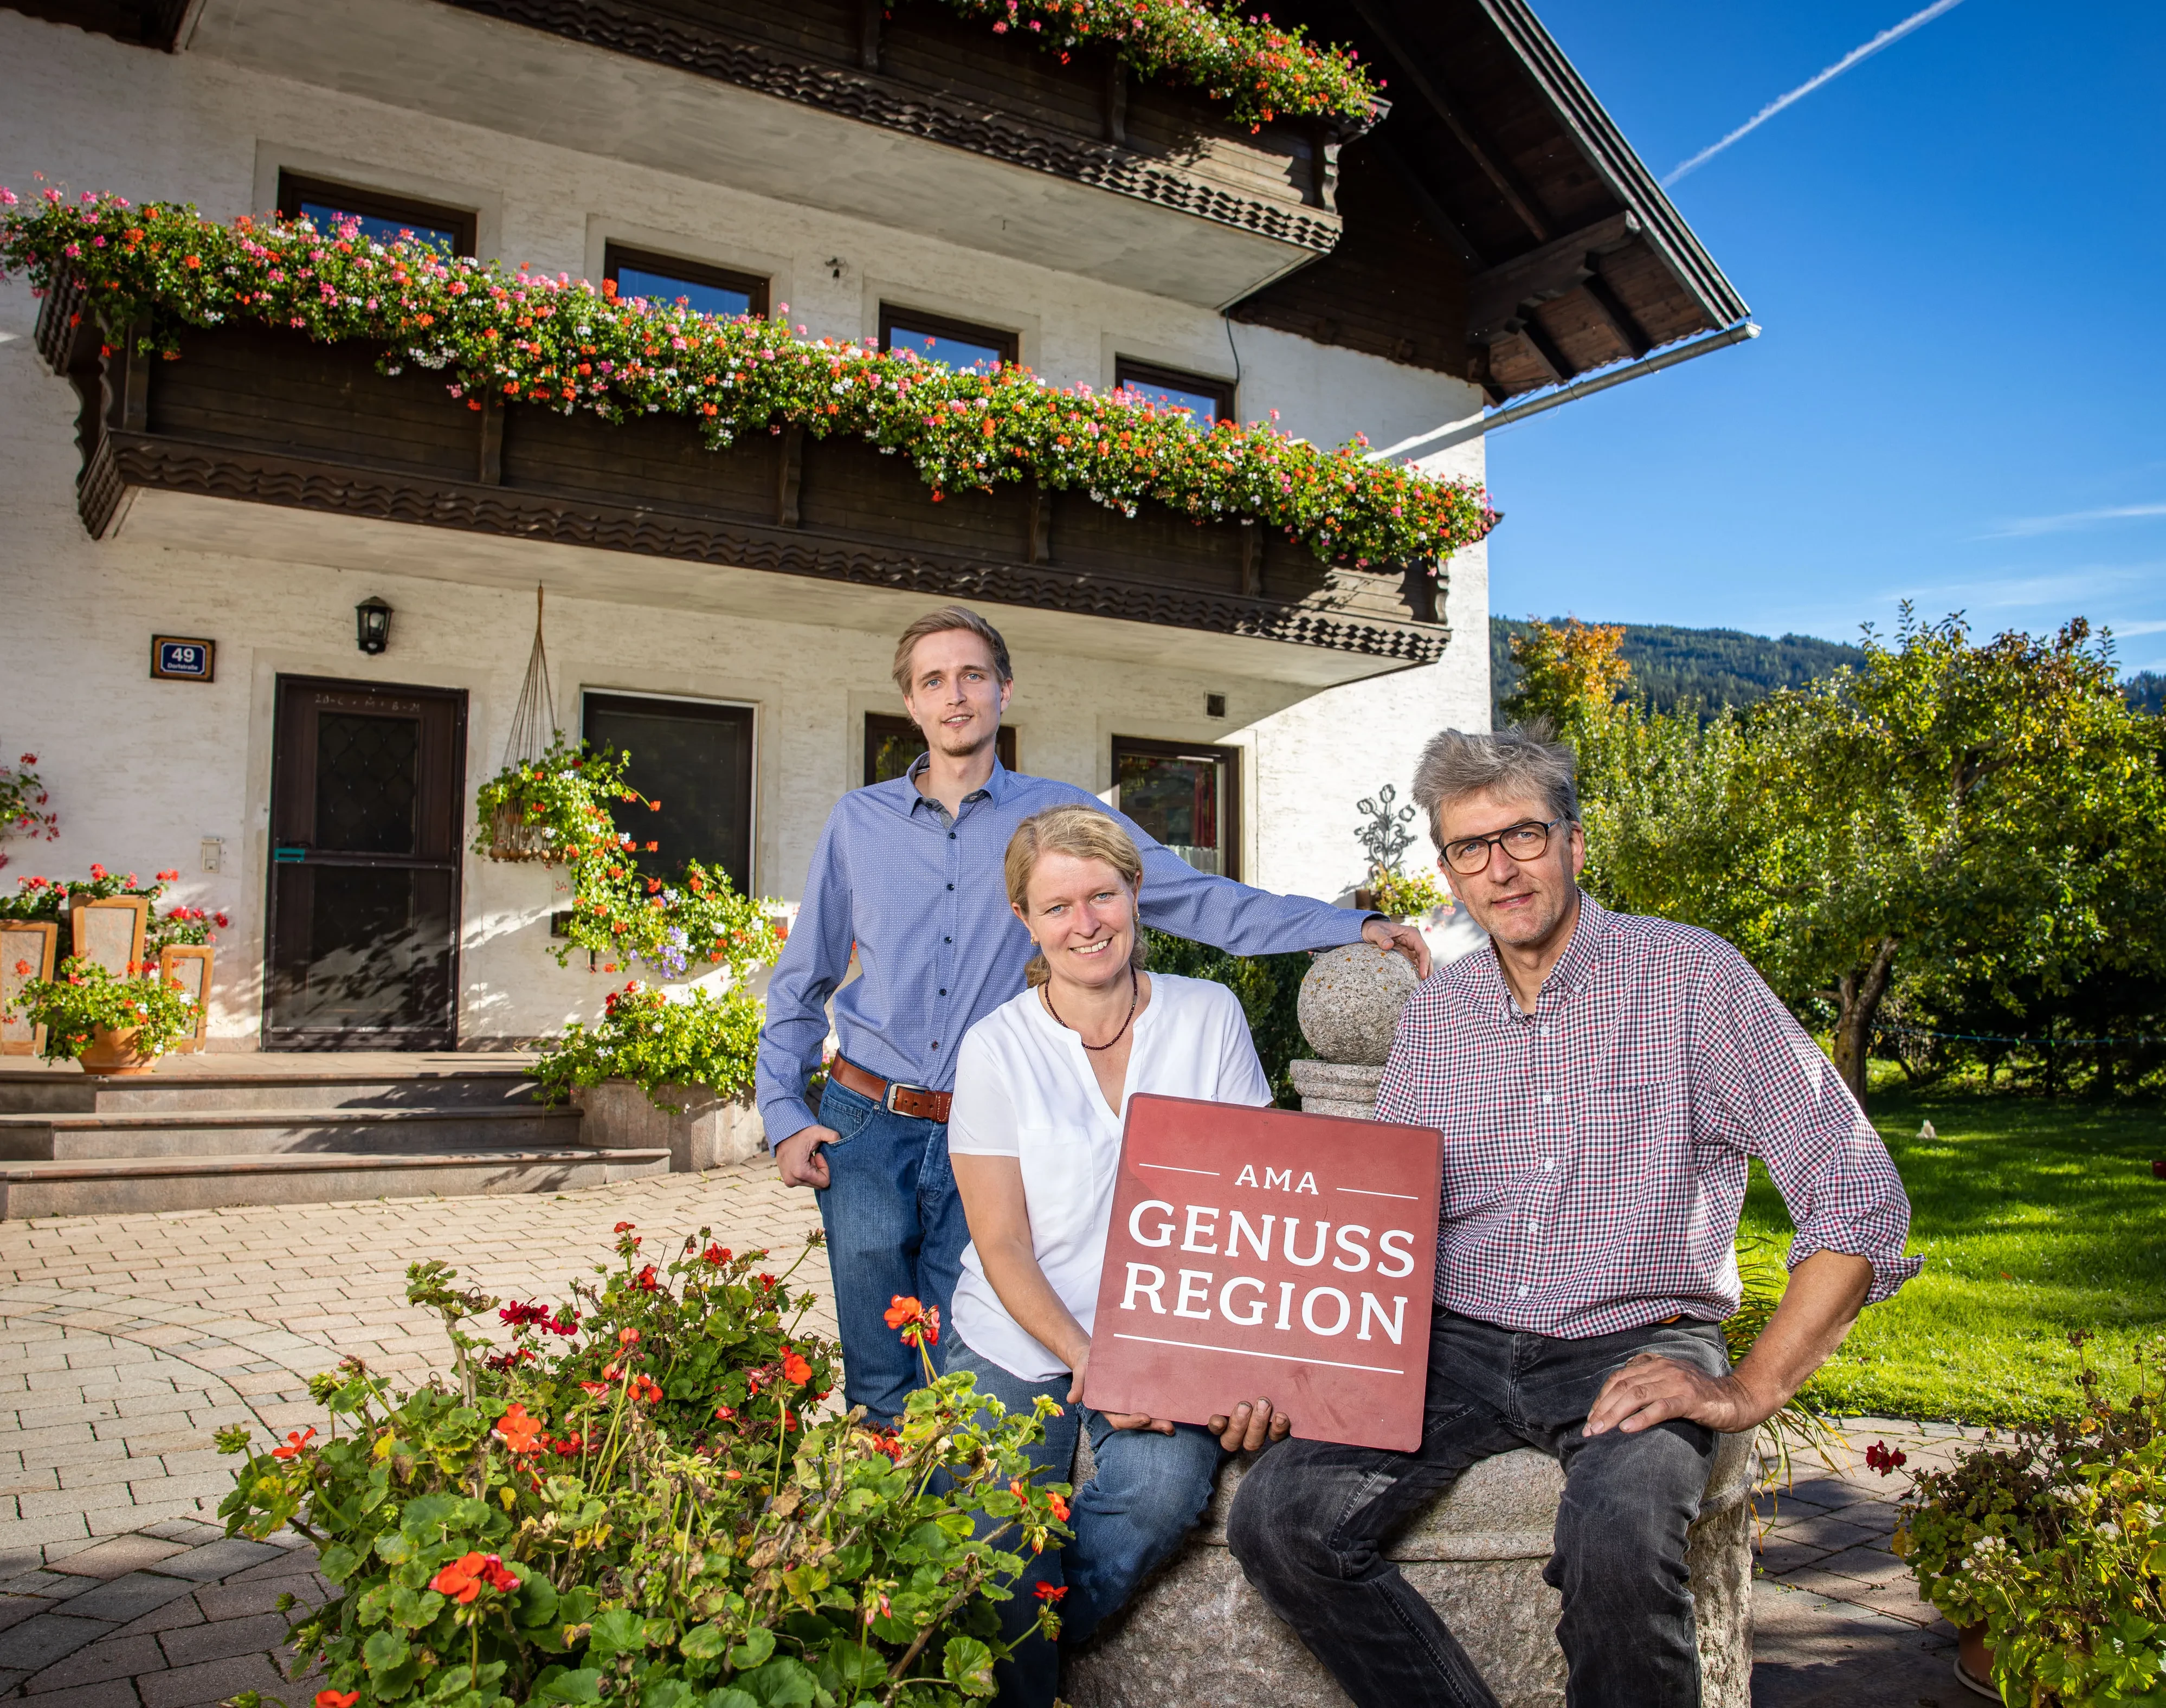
1258	1249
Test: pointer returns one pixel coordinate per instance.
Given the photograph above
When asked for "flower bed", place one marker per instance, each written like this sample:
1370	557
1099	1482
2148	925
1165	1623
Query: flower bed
565	345
627	1504
1259	69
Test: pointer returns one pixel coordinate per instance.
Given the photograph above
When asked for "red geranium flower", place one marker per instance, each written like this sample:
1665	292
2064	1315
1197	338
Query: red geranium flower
795	1370
713	1253
296	1443
466	1577
518	1429
337	1699
1049	1592
918	1323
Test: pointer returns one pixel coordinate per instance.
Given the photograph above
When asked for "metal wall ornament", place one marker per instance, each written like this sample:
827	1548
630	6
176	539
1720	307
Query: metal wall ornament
1384	836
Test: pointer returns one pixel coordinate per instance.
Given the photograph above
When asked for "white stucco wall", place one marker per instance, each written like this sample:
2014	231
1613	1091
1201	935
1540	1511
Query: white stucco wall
141	771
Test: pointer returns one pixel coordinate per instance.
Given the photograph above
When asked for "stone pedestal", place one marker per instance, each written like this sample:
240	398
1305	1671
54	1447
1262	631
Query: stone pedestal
1198	1636
713	1132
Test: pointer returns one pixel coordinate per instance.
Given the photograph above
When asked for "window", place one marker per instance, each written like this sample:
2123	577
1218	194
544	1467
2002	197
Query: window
953	344
1206	399
663	278
1186	796
382	217
892	745
694	756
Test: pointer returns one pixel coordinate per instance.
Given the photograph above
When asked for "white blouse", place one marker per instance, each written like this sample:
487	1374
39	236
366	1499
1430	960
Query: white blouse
1023	1088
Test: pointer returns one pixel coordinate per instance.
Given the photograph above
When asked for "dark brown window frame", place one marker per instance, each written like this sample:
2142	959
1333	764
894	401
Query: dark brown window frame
1008	343
880	724
1146	374
1229	770
615	255
296	188
698	709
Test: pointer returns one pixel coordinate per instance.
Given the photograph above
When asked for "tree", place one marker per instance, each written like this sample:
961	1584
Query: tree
1990	811
1569	672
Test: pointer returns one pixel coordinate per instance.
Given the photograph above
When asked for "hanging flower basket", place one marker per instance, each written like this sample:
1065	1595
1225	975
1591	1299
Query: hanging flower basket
512	835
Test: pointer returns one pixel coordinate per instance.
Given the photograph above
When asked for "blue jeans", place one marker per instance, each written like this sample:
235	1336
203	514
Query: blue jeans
1311	1518
894	1225
1147	1492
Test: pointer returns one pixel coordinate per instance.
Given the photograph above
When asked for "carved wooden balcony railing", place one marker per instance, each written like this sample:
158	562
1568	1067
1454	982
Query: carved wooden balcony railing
268	417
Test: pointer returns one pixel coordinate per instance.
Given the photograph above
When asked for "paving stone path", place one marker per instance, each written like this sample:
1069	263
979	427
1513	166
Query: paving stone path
125	1341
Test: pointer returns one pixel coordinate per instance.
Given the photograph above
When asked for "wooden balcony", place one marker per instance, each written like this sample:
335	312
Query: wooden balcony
899	113
270	419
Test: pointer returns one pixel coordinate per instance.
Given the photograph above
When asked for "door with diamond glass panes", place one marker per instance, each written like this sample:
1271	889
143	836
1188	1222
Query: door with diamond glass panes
366	792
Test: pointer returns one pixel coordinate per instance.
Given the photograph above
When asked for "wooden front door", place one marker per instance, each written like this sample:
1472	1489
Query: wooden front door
367	796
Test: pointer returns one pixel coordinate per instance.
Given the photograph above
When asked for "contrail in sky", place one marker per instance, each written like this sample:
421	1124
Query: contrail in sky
1887	38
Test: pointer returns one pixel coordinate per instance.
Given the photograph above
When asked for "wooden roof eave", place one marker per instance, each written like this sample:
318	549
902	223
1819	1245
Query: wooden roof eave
1605	149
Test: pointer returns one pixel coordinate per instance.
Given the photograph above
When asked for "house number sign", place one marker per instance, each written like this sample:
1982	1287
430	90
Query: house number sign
177	659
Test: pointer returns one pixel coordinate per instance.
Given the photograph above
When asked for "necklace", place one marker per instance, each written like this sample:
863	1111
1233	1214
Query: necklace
1046	992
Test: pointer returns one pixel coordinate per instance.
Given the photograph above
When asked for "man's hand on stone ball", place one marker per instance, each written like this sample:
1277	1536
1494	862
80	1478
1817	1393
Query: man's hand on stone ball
1652	1389
1389	934
798	1160
1252	1424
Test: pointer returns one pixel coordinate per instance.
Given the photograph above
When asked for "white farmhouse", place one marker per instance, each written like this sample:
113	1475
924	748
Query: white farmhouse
897	171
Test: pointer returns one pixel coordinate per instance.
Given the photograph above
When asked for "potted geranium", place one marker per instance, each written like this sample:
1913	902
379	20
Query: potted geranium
656	1070
2046	1552
107	1022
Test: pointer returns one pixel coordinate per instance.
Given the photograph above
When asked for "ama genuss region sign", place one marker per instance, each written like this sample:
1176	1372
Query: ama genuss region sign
1259	1251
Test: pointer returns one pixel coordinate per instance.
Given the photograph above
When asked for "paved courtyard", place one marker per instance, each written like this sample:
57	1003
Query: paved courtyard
125	1341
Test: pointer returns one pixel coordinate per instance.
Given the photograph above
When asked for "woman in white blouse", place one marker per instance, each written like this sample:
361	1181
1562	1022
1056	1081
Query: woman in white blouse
1034	1133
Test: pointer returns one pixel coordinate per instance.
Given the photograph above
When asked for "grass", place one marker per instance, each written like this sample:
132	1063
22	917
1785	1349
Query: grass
2037	1218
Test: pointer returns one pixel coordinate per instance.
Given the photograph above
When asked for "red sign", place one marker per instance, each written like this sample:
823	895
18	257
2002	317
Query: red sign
1261	1253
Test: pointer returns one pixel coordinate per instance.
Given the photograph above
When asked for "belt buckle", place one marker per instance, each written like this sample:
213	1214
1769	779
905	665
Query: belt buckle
893	1088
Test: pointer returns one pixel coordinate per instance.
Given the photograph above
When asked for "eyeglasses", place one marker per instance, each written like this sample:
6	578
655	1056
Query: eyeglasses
1524	842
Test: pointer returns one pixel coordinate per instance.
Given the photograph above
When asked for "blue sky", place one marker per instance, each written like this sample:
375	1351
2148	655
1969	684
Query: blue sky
1958	249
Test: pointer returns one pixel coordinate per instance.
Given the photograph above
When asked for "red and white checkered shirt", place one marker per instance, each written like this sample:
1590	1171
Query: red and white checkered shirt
1595	1150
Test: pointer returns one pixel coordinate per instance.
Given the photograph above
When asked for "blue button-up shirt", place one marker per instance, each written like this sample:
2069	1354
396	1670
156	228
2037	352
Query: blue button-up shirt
923	899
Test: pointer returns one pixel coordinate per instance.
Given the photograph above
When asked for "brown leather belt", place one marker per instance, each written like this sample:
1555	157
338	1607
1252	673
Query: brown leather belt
917	1102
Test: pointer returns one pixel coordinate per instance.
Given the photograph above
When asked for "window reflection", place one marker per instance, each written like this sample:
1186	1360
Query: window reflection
661	288
1180	798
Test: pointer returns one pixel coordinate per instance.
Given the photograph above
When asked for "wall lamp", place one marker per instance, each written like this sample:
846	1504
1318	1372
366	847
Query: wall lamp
371	619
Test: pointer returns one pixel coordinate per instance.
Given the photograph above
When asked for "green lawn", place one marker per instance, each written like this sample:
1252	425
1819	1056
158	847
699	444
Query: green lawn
2035	1218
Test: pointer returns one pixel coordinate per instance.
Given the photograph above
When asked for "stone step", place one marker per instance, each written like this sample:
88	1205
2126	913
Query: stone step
120	1134
69	1091
118	1186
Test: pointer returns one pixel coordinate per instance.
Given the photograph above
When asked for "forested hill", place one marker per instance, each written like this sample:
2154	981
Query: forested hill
1717	667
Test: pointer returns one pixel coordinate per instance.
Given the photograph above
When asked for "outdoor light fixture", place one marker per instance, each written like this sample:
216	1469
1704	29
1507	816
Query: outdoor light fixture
372	621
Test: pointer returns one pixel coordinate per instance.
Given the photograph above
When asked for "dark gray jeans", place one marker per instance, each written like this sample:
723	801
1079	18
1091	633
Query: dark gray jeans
1312	1517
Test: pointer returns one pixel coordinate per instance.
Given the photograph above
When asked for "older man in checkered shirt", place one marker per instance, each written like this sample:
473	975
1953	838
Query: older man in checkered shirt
1602	1081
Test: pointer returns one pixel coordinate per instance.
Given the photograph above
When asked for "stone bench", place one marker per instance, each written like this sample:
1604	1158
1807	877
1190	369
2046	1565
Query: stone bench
1198	1636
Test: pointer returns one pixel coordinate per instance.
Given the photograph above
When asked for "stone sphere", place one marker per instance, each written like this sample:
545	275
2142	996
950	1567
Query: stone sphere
1350	1003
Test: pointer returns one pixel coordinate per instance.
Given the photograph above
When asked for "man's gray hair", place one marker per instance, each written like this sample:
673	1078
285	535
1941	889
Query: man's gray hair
1521	759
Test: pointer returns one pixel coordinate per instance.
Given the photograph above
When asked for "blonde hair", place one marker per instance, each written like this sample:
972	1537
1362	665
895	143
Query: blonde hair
940	622
1083	833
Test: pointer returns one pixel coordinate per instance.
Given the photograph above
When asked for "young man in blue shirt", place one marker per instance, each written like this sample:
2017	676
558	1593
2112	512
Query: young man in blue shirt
908	873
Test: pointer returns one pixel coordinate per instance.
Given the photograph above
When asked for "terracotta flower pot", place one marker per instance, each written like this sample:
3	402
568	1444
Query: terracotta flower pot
112	1051
1974	1661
